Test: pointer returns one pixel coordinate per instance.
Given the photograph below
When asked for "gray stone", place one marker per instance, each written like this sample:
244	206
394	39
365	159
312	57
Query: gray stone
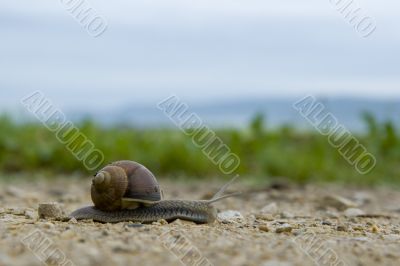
271	208
229	216
353	212
284	228
337	202
50	210
30	214
287	215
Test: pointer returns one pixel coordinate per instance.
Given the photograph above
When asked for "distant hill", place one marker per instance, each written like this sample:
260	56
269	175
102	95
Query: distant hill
238	113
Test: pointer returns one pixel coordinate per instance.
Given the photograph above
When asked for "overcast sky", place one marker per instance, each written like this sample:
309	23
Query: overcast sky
199	50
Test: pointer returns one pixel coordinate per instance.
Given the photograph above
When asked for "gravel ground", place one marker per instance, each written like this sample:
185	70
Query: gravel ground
272	225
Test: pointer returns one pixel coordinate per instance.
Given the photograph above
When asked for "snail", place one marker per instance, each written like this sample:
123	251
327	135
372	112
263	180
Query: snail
128	191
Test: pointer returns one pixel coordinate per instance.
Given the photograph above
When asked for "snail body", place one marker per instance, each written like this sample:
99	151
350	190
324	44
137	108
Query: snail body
128	191
169	210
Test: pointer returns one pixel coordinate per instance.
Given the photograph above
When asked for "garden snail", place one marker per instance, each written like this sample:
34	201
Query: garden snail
128	191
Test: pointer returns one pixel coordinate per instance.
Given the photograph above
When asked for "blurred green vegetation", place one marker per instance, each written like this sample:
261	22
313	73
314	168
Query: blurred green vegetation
296	155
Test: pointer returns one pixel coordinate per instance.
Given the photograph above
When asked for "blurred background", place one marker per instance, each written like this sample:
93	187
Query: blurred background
239	65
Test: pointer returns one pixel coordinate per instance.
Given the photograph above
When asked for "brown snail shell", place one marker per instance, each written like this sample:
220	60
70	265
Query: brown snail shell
124	185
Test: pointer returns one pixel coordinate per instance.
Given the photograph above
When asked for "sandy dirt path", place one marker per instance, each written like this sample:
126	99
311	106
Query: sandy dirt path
310	225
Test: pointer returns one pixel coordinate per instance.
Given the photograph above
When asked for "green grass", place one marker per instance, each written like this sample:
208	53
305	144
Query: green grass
297	155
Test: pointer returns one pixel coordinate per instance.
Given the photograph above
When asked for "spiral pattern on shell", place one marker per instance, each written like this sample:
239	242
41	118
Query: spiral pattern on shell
124	183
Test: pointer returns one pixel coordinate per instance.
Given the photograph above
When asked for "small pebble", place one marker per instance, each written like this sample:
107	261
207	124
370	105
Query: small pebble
285	228
229	216
271	208
287	215
341	227
331	214
362	197
50	210
353	220
353	212
375	229
30	215
358	228
337	202
264	216
264	228
73	221
64	219
16	211
162	222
